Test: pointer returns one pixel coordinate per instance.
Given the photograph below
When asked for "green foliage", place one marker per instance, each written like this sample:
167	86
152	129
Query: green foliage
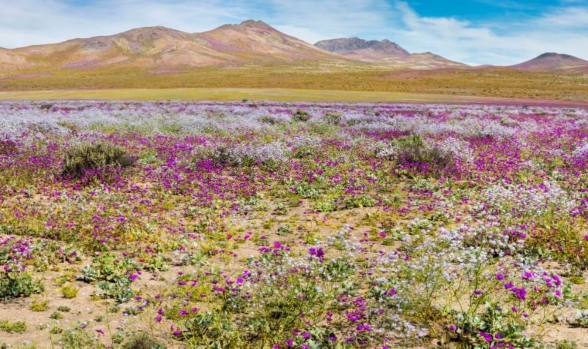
142	341
301	116
82	158
414	149
113	276
268	119
333	118
565	344
13	327
76	338
56	315
18	285
64	309
39	306
357	201
69	291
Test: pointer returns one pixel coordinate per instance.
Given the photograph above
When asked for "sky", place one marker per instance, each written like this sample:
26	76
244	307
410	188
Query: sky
500	32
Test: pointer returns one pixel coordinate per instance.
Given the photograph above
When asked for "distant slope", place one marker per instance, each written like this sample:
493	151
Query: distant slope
256	41
551	61
10	60
385	52
363	49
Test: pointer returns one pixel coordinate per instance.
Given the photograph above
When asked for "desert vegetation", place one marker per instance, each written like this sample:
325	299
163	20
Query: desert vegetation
292	225
504	83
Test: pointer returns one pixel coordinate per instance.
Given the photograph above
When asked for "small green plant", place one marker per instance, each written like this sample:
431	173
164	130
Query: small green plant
39	306
69	291
64	309
56	330
56	315
565	344
142	341
285	230
119	337
82	158
76	337
13	327
114	309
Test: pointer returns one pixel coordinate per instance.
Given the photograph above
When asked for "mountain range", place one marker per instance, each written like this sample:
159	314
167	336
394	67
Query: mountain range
162	49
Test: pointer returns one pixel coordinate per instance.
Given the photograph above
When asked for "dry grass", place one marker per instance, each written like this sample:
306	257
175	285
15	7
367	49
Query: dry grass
220	82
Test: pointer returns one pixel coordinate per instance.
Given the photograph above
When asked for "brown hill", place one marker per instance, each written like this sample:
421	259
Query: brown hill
143	47
386	53
362	49
552	61
10	60
165	48
256	41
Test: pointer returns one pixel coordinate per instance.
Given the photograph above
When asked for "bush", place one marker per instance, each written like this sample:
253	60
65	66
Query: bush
142	341
69	291
19	284
13	327
333	118
81	159
301	115
414	149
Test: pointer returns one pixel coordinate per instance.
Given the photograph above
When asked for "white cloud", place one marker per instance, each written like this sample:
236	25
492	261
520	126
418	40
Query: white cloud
496	41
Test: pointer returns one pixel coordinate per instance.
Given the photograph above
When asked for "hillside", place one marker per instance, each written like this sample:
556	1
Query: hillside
552	61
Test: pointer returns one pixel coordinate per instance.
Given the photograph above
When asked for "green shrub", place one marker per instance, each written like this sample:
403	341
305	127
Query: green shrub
10	327
268	119
414	149
301	116
69	291
19	285
39	306
333	118
142	341
82	158
77	338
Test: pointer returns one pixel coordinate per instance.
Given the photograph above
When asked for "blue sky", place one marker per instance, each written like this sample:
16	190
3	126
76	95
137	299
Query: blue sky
471	31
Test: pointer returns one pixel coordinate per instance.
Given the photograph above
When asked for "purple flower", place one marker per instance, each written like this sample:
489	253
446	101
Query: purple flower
487	337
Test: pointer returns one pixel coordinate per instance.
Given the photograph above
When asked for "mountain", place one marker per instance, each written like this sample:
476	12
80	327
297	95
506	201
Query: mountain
163	48
552	61
142	47
256	41
363	49
385	52
10	60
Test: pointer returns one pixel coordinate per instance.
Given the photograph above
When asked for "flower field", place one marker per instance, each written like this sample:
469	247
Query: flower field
292	225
